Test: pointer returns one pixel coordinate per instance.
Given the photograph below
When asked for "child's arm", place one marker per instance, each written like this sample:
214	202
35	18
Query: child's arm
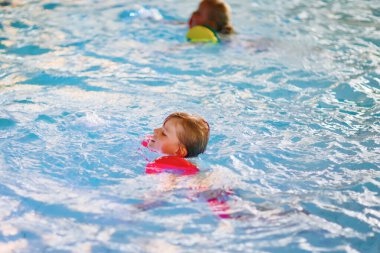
156	199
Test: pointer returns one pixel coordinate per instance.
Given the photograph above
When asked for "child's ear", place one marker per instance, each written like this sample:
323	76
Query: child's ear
182	151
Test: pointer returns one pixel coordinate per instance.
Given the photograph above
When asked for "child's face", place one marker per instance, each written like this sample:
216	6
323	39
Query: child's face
165	138
200	16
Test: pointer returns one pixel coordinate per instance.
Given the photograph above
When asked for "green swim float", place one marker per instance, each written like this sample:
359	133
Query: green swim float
202	34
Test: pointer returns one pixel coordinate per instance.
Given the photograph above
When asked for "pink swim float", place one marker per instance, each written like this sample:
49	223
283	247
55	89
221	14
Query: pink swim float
171	164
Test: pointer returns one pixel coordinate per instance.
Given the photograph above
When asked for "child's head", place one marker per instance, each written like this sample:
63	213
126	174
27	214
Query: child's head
181	134
212	13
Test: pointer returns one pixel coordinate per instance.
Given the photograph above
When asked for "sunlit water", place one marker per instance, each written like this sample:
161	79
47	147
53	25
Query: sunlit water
292	101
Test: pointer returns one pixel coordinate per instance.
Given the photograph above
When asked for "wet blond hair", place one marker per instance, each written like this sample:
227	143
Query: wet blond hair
220	13
193	133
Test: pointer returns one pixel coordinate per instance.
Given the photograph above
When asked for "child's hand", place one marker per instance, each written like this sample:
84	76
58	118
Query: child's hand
145	142
150	204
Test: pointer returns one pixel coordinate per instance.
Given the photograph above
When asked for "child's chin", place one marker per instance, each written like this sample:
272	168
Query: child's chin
153	148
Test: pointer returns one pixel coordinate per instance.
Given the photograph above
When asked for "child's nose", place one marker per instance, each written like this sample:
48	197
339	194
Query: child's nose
156	131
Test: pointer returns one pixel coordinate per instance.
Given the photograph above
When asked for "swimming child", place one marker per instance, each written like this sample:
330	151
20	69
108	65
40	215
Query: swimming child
211	19
182	134
214	14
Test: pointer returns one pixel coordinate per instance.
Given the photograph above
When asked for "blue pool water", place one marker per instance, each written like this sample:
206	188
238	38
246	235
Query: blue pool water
292	101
